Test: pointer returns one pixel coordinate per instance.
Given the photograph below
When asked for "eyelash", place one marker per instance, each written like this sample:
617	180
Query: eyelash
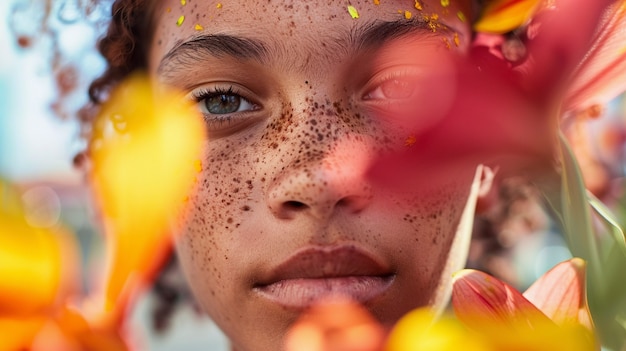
216	120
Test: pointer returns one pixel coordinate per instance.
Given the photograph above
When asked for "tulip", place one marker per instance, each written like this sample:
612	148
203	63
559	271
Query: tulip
553	316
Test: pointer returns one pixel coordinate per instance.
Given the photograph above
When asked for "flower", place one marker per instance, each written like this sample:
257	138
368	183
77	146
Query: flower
144	167
335	325
551	315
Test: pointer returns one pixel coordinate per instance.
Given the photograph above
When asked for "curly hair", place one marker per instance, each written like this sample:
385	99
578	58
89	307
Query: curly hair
124	45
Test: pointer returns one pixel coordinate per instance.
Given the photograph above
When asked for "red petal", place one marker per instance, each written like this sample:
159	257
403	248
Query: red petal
480	299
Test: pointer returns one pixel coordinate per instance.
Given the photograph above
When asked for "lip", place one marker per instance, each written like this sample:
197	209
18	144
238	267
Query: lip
316	273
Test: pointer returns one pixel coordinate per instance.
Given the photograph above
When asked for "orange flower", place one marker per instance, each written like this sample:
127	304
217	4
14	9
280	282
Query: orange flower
335	325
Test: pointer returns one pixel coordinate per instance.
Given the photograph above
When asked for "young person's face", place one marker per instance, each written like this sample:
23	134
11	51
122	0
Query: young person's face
299	99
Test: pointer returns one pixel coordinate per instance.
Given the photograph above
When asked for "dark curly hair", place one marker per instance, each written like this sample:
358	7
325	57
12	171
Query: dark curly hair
124	46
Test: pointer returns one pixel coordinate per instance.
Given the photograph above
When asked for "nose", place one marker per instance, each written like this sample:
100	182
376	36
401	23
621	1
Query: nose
324	185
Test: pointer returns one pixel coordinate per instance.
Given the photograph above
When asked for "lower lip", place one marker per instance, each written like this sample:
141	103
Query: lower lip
301	293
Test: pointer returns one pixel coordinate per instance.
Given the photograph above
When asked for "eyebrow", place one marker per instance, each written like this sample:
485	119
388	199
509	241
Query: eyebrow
366	36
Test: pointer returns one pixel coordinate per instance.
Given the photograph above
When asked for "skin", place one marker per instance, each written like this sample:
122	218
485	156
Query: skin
290	172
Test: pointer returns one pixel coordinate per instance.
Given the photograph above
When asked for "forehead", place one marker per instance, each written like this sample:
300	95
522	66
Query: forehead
310	26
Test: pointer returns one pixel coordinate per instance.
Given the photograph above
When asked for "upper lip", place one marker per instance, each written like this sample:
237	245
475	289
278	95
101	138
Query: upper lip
326	262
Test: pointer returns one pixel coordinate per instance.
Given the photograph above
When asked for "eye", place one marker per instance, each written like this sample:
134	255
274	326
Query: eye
396	86
219	101
393	89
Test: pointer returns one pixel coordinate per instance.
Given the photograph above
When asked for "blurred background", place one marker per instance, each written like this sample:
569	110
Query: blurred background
45	62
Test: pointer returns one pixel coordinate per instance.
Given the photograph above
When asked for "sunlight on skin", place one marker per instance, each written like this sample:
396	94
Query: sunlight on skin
145	163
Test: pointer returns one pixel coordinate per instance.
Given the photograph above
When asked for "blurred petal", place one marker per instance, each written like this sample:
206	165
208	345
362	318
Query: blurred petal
142	175
492	122
602	74
69	331
479	298
503	16
30	260
560	293
418	330
561	35
18	333
508	321
335	325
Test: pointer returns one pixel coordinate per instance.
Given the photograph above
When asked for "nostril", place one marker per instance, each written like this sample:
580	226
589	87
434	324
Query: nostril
294	205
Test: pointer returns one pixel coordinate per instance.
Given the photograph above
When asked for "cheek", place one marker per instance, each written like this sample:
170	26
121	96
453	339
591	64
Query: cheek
222	200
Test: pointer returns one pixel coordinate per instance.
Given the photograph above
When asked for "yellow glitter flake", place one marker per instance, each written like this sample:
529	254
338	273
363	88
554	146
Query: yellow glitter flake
410	141
353	12
418	5
219	5
408	14
168	10
461	16
180	20
376	2
457	41
183	2
198	27
445	3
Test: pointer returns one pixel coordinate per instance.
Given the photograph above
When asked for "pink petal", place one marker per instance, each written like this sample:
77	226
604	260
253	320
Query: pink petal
560	293
602	74
564	34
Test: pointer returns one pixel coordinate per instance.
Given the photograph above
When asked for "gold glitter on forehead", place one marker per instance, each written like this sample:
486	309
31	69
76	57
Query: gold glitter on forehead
353	12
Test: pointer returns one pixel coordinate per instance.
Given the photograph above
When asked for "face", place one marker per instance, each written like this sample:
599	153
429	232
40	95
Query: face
299	101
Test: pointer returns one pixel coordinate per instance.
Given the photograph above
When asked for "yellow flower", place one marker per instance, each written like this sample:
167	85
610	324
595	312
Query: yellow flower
142	174
501	16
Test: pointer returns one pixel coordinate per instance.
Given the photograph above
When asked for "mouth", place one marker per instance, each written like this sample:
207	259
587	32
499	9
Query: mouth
318	273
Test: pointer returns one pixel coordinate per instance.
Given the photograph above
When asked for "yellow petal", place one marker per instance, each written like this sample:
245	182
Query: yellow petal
418	330
142	176
30	261
501	16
